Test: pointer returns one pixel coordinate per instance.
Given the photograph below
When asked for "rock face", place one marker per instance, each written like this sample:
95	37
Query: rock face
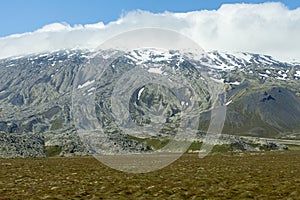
271	112
36	99
245	144
24	145
265	113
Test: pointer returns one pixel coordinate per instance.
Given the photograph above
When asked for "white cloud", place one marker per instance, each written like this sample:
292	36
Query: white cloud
55	27
268	28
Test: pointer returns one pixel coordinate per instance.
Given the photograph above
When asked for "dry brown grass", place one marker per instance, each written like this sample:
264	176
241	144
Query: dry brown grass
271	175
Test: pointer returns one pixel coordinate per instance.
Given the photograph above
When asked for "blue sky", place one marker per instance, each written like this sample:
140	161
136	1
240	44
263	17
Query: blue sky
18	16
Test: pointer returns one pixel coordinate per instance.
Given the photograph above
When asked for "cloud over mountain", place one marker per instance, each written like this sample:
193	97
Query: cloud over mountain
268	28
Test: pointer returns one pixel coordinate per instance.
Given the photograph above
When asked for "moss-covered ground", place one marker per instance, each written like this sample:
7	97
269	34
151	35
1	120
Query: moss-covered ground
267	175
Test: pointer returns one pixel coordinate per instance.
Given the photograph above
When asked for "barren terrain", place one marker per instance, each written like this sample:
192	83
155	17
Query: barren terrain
269	175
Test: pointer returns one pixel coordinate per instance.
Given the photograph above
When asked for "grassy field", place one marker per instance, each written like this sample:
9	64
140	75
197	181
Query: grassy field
269	175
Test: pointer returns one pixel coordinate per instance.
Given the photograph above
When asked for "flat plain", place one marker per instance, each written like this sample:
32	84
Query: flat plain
267	175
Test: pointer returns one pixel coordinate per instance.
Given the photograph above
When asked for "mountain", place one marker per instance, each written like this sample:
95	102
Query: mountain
262	98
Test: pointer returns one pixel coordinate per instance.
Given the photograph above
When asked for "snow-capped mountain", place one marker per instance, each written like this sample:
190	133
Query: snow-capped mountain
219	61
36	92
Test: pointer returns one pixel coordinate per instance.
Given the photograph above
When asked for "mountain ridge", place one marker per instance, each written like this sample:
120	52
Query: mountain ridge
36	91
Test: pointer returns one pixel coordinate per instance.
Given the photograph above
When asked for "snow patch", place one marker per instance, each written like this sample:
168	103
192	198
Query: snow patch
264	75
217	80
10	65
235	83
140	93
43	55
229	102
86	84
155	70
91	89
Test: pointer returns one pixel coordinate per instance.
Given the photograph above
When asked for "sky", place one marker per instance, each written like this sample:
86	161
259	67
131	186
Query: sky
34	26
19	16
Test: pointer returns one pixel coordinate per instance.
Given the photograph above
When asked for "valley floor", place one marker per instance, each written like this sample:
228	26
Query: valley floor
268	175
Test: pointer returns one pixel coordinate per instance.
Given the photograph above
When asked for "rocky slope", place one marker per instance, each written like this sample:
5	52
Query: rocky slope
262	95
